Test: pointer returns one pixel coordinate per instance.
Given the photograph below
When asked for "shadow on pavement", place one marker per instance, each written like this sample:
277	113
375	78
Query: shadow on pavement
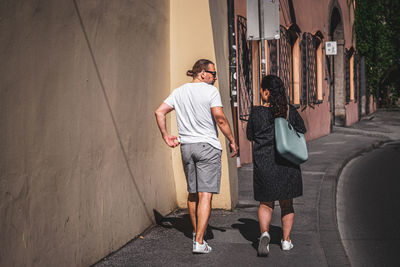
250	230
183	224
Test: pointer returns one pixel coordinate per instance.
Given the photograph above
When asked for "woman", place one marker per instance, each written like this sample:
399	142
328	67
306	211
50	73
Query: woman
274	178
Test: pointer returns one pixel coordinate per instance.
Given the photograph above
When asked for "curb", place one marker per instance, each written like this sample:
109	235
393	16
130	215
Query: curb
328	230
345	130
247	204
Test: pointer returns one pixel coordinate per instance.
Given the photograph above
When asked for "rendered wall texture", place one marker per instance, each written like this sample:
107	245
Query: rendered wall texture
192	33
219	20
82	165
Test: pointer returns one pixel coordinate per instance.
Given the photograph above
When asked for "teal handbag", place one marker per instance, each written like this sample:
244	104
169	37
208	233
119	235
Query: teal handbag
290	144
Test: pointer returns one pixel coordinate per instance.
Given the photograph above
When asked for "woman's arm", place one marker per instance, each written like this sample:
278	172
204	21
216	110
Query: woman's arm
296	120
249	128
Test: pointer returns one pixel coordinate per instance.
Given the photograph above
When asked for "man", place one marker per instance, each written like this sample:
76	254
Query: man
198	110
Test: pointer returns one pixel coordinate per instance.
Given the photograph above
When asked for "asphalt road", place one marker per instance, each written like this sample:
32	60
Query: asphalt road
368	207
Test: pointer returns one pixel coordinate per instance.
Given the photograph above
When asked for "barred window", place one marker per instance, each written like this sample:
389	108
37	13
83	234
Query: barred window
273	57
245	79
352	75
284	58
356	82
296	74
347	56
318	44
309	70
285	62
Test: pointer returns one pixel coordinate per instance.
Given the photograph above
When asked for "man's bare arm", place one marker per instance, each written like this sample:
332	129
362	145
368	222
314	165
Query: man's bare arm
161	113
225	128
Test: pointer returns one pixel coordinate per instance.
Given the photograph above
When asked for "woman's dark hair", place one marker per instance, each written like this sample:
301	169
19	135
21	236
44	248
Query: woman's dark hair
277	98
198	67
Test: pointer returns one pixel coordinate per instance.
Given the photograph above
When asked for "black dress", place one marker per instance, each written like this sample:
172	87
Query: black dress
274	178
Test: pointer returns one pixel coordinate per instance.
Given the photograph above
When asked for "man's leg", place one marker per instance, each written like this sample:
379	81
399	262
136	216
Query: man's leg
193	199
190	172
203	214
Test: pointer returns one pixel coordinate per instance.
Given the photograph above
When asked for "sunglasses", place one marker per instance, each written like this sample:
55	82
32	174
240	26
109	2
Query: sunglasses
214	73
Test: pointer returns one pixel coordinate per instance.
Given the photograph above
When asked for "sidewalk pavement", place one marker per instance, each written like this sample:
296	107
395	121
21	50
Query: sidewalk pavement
233	235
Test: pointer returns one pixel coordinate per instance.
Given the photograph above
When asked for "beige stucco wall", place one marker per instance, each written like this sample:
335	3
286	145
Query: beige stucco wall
188	43
82	165
219	20
244	144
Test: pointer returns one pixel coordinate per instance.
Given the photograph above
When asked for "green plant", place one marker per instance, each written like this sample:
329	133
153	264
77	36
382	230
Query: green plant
376	26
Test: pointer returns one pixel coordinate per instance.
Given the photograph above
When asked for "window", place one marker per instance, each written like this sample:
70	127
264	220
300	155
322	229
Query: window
356	81
352	78
319	69
273	57
347	75
349	67
309	70
294	33
285	62
244	57
296	71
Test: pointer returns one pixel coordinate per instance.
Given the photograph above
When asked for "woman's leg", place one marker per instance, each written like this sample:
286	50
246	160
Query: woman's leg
264	215
287	216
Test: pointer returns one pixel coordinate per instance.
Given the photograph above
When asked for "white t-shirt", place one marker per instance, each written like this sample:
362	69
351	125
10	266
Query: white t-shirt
192	103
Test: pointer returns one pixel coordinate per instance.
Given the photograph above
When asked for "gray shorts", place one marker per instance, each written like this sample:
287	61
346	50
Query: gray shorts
202	165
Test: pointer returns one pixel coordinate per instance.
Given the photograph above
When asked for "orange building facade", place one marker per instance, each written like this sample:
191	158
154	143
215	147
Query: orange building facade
324	88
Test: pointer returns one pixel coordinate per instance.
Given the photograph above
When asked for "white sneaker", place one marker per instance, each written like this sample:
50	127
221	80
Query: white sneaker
194	240
263	245
286	245
201	248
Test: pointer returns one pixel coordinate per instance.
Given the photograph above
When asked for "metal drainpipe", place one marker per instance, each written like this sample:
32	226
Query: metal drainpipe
233	68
